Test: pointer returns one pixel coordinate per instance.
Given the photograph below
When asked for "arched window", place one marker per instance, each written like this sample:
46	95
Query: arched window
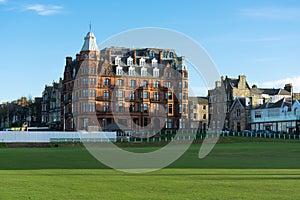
156	72
119	70
131	71
154	62
118	61
143	72
129	61
142	62
106	81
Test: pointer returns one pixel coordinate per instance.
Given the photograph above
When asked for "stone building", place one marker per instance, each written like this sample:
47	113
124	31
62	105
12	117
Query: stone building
51	106
141	88
226	91
239	116
198	111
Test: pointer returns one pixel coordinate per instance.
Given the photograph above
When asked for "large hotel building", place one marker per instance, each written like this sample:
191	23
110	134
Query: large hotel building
139	89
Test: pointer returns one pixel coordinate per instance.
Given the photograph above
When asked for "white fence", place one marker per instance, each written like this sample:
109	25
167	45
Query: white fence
40	137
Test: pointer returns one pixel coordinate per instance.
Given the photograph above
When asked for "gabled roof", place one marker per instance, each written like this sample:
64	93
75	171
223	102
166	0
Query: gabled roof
241	101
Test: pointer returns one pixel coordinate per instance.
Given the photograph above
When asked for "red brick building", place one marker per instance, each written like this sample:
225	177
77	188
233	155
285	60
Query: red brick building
134	88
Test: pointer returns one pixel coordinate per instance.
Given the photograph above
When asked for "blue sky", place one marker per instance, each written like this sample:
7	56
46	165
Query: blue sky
260	39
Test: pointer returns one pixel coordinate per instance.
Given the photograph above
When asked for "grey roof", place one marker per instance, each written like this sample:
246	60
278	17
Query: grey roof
90	43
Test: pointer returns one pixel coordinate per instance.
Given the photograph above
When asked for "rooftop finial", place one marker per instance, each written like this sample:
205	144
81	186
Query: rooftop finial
90	26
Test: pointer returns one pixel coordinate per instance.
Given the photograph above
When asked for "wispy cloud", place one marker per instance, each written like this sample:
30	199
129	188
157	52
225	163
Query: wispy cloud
272	13
44	10
280	83
2	1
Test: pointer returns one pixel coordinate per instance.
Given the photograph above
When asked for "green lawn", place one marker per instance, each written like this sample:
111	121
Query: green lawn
233	170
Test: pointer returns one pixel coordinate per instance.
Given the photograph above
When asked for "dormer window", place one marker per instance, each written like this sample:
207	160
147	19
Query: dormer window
142	62
154	62
118	61
129	61
156	72
144	72
119	70
131	71
171	55
152	54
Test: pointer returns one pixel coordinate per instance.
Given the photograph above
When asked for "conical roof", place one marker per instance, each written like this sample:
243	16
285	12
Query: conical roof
90	43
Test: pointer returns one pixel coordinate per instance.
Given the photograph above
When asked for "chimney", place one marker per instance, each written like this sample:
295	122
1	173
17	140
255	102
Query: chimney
288	87
109	56
134	57
218	84
77	57
160	57
68	60
242	82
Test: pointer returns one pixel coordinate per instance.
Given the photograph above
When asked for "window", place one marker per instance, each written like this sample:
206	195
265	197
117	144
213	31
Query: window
85	123
156	108
143	72
92	81
85	70
92	93
152	54
156	72
171	55
165	54
169	123
118	61
120	82
142	62
119	106
238	112
195	116
131	71
84	106
131	95
170	96
92	106
145	95
92	70
85	81
106	82
119	93
185	84
180	84
131	108
168	74
204	107
170	108
132	83
156	84
129	61
119	70
154	62
180	109
106	94
144	107
168	84
105	107
144	83
257	114
204	116
156	96
85	93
